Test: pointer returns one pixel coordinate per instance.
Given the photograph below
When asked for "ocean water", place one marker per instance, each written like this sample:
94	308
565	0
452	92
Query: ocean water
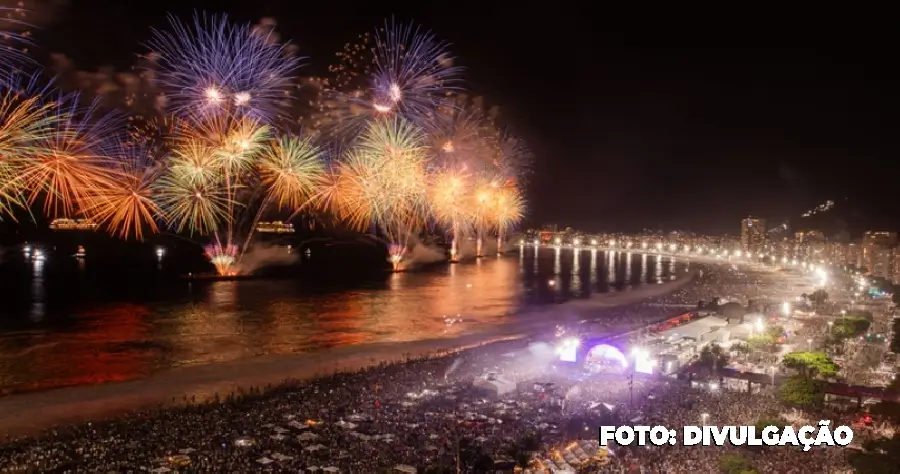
67	321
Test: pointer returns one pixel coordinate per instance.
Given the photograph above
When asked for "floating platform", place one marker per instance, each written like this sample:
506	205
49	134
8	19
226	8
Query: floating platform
215	277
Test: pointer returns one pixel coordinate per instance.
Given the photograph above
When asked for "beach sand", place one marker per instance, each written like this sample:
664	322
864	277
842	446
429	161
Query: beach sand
30	413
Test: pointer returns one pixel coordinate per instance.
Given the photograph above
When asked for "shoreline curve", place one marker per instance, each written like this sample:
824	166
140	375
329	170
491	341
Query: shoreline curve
30	413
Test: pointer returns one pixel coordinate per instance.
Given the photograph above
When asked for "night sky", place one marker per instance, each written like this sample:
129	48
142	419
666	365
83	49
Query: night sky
635	122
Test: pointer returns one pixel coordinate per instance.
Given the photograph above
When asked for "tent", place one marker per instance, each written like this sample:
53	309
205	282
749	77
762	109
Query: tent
405	468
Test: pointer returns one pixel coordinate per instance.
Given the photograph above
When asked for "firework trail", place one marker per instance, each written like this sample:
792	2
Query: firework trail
382	182
212	66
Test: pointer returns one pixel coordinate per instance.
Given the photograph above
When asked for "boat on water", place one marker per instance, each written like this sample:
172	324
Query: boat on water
80	253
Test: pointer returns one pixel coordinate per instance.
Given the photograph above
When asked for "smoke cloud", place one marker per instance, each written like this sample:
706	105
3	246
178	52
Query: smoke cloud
423	254
261	255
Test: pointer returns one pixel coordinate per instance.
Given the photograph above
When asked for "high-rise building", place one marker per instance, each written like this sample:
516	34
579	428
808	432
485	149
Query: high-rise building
882	262
753	234
837	253
874	246
896	275
854	254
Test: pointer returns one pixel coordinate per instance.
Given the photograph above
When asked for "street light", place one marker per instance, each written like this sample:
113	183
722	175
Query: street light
703	418
809	344
773	375
786	308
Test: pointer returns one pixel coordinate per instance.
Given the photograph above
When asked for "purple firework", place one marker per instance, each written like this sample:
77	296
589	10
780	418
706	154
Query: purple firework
213	65
414	71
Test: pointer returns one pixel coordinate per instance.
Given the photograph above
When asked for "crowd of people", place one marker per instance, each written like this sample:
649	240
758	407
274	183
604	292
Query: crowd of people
431	414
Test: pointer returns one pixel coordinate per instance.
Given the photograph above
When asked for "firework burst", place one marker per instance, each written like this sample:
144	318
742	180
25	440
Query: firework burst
414	72
223	257
449	197
27	125
213	66
401	70
126	207
382	182
508	210
73	162
198	206
291	169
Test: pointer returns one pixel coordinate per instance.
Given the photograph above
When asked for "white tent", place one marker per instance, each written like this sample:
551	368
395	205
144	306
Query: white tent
405	468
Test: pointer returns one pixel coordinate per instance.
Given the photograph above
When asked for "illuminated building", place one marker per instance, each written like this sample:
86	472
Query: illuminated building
276	227
896	274
854	254
753	234
875	247
809	245
837	253
882	262
72	224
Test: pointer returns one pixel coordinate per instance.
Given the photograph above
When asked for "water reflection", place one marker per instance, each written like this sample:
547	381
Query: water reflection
60	339
659	270
643	268
611	267
38	306
628	268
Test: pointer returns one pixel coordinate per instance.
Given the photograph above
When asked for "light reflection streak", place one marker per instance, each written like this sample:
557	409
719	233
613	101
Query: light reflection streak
611	267
576	270
38	308
628	269
659	269
643	268
557	267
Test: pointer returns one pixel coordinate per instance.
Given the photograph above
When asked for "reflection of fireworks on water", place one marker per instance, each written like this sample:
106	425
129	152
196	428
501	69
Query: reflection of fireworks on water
223	257
212	65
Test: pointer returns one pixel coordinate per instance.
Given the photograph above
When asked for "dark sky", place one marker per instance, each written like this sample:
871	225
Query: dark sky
635	121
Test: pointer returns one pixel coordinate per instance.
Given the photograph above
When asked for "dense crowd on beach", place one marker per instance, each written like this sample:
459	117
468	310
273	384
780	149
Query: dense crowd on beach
431	414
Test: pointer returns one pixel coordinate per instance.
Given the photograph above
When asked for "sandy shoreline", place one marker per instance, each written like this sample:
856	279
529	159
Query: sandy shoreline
30	413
